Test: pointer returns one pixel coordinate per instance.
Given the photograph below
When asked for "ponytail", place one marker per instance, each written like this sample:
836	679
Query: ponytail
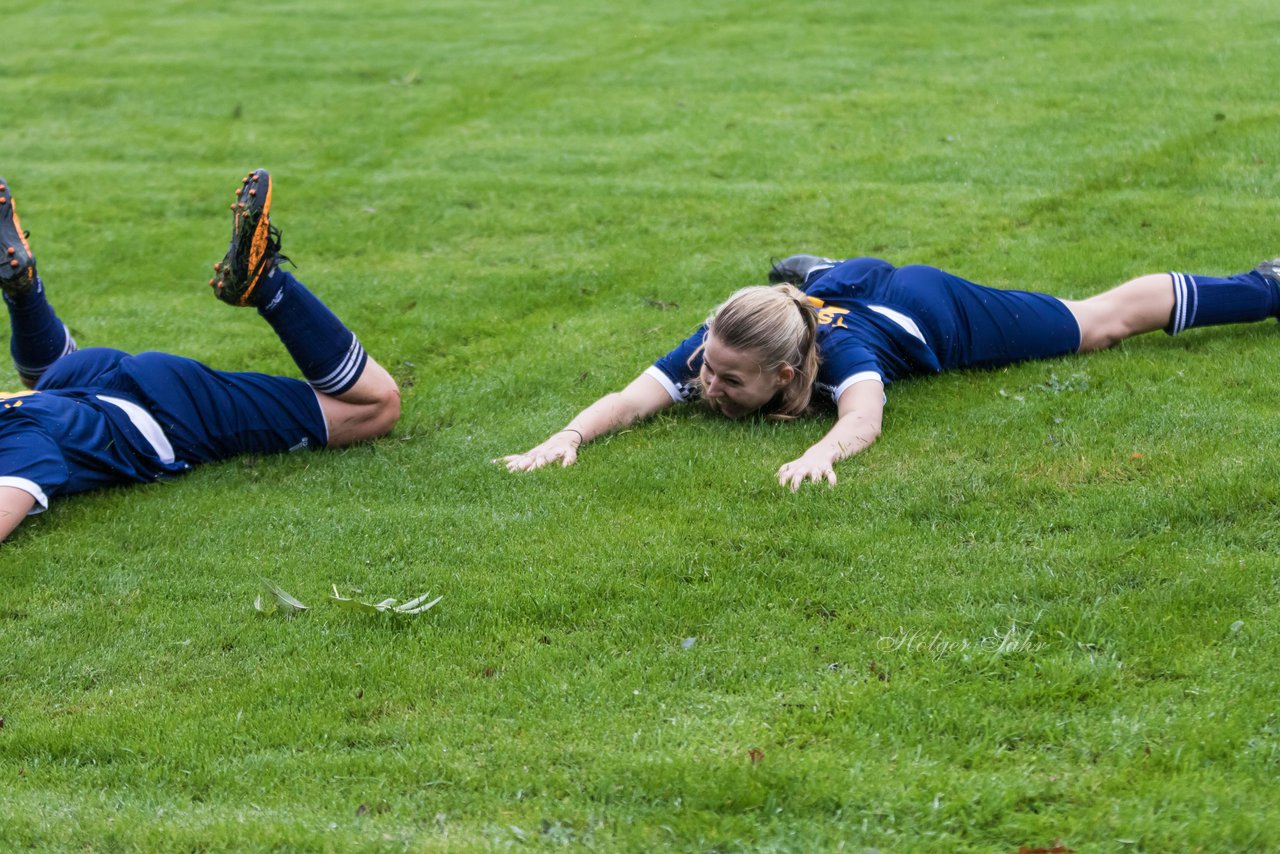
779	325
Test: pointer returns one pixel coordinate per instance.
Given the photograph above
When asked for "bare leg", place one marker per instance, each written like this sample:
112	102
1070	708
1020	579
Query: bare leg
1176	302
1139	305
368	409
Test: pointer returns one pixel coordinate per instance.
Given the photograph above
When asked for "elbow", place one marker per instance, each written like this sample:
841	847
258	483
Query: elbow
870	435
624	410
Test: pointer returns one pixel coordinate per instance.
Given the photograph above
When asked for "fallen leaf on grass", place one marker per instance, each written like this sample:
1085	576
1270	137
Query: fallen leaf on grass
413	606
276	599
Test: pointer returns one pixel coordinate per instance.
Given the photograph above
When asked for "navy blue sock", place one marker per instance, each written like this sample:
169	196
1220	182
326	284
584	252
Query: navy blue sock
39	338
326	351
1210	301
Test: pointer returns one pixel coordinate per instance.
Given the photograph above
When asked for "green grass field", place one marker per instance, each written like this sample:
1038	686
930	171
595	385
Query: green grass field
1041	609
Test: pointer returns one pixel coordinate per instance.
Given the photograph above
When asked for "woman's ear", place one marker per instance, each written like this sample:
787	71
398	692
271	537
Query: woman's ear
785	375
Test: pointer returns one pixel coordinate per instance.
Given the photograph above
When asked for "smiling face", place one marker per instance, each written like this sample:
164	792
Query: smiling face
733	381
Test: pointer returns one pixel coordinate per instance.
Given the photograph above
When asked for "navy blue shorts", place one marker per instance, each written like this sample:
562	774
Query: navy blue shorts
207	415
969	325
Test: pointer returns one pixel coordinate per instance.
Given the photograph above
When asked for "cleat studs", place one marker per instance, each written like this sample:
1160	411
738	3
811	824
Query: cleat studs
14	264
3	200
9	249
253	192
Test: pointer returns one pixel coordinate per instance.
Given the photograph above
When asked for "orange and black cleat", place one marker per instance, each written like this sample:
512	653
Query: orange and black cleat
17	264
255	243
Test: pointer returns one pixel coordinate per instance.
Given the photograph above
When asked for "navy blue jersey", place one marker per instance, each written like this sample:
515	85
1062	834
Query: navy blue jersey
880	322
101	416
56	442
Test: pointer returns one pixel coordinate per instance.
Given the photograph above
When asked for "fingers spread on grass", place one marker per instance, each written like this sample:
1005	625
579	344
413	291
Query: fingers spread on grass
537	459
794	474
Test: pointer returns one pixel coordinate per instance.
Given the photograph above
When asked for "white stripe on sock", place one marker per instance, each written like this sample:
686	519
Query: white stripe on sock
345	373
1179	304
345	365
1194	291
29	373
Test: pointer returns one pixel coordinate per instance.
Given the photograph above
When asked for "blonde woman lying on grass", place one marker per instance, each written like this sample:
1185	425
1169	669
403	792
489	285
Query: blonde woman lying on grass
849	328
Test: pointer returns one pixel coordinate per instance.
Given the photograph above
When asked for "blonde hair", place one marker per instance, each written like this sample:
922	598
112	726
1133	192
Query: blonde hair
778	325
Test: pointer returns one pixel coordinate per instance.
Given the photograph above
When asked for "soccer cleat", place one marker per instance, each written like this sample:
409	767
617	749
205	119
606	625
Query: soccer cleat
255	243
1270	269
17	264
795	269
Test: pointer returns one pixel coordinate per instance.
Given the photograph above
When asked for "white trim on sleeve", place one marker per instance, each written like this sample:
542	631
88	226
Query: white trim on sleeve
31	488
860	377
672	389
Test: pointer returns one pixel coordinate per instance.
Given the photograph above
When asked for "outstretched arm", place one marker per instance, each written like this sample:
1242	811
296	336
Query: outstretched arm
14	506
861	409
644	397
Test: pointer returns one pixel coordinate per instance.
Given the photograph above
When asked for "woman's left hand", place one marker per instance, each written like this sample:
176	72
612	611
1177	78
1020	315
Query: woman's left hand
814	467
861	410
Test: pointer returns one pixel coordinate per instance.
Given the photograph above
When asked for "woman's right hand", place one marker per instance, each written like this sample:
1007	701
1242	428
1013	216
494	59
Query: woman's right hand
642	398
562	446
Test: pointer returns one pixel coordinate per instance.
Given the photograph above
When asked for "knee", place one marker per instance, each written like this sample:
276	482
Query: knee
384	409
367	410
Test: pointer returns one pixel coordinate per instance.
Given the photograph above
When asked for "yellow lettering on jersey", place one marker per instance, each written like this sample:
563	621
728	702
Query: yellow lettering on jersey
830	315
7	396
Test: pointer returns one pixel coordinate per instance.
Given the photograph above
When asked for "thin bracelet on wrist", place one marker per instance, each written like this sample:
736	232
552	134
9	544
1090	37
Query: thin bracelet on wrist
581	438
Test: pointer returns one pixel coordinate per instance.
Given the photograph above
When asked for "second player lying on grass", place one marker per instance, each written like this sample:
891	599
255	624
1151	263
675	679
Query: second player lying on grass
100	416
